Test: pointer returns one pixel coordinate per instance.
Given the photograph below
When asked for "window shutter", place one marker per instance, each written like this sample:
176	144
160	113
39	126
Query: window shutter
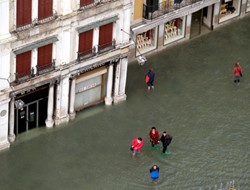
45	55
24	12
23	62
86	2
85	41
45	9
106	34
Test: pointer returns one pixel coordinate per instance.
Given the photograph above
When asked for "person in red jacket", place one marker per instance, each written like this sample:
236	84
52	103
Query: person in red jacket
154	136
237	71
136	145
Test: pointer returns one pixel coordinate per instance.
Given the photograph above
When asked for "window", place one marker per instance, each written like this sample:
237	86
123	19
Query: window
105	36
174	30
44	57
85	43
45	9
86	2
229	9
248	5
23	64
24	14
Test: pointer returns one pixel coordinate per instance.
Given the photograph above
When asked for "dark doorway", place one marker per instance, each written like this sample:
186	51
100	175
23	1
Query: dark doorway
34	112
197	25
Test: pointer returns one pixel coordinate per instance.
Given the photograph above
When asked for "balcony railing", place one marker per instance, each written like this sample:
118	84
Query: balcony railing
106	47
86	54
21	77
159	9
45	68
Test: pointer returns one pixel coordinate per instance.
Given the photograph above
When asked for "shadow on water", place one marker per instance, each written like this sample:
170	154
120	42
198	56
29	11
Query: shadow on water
195	100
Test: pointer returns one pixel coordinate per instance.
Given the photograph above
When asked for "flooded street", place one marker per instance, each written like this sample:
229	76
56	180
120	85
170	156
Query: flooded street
195	100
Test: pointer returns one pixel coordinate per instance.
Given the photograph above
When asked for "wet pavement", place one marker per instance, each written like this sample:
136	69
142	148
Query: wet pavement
194	99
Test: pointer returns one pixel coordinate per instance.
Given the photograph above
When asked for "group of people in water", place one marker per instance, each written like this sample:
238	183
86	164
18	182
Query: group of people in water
155	139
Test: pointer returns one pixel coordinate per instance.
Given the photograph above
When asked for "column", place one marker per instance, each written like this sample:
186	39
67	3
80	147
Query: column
62	101
49	121
4	121
72	112
108	98
12	135
120	80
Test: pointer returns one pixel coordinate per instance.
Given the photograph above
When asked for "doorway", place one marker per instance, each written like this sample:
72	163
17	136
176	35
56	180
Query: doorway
29	118
198	25
34	111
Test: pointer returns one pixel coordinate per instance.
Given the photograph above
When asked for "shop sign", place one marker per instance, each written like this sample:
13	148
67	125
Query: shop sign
84	88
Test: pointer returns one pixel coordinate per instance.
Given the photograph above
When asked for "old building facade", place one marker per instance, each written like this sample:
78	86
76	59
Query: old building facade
158	24
58	57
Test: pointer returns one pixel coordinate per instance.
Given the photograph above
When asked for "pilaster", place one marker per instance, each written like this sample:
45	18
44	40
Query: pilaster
108	98
50	121
62	115
72	112
4	113
120	80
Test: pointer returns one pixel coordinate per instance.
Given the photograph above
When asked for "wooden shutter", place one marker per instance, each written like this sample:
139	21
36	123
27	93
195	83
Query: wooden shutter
23	63
45	9
85	41
45	55
24	14
106	34
86	2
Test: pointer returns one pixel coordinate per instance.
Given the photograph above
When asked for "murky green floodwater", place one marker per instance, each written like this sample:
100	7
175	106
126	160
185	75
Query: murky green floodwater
194	99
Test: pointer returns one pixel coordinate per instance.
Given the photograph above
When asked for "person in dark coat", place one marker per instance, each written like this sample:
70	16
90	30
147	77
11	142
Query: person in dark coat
166	140
150	77
154	173
154	136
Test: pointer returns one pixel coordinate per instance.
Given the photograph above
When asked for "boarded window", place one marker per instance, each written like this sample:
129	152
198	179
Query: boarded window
45	56
86	2
24	14
85	41
106	35
45	9
23	63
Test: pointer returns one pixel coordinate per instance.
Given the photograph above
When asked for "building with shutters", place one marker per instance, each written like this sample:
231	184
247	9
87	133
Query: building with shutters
57	58
158	24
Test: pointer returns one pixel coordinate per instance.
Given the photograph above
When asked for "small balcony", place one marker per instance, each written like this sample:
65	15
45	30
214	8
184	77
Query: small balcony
106	47
24	76
45	68
86	54
154	11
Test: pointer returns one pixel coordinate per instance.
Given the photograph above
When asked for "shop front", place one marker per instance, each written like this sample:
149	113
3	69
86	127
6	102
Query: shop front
33	113
248	6
174	30
146	41
229	9
90	88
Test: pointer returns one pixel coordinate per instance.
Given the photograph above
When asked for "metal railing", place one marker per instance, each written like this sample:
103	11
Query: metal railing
153	11
86	54
106	47
21	77
45	68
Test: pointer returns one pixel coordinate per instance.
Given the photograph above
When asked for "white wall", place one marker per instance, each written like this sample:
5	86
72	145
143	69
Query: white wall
4	18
